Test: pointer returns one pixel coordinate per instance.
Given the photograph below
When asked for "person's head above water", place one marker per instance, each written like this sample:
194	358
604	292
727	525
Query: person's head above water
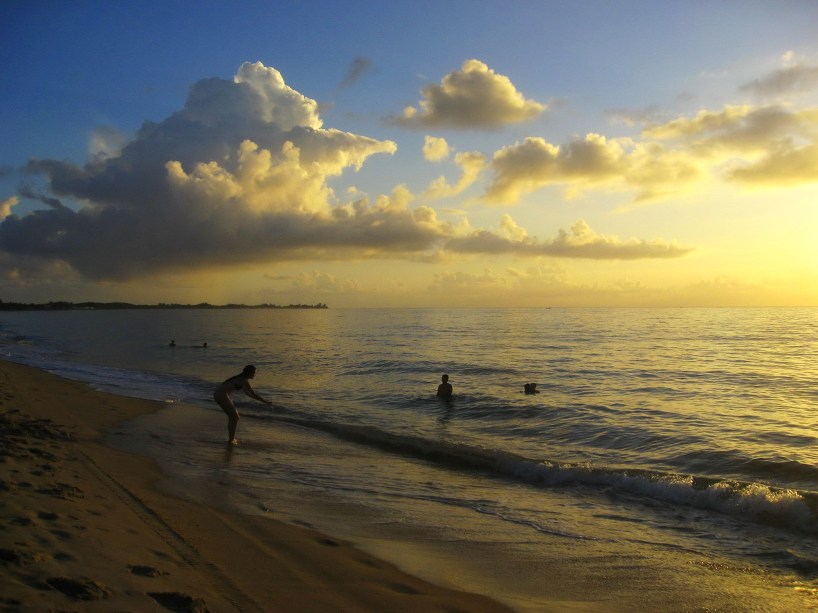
249	371
445	378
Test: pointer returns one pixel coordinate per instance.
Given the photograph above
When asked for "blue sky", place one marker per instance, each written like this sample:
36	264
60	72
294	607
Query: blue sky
600	79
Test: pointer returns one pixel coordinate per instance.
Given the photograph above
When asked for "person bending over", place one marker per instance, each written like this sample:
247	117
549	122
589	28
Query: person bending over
223	399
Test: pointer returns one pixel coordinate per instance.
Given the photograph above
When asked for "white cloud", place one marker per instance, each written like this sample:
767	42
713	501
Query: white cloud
238	175
534	163
768	145
471	165
278	102
781	167
735	129
241	175
435	149
473	97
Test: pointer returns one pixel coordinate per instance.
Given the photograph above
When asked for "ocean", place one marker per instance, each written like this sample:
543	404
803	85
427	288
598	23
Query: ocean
668	462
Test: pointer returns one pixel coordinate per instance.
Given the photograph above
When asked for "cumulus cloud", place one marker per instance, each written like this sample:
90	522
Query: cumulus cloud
580	242
737	129
770	145
757	145
471	165
473	97
534	163
276	103
654	171
238	175
784	166
241	175
435	148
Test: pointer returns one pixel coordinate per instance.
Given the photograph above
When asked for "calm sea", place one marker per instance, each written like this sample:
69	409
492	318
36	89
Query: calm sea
670	459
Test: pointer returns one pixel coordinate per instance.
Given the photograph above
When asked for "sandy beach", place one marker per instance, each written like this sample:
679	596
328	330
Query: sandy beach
84	528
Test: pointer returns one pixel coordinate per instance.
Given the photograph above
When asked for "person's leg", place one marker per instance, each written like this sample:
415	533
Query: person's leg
232	415
232	422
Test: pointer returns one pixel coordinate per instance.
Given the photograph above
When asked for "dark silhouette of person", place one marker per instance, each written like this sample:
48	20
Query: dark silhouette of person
222	398
172	344
531	388
444	390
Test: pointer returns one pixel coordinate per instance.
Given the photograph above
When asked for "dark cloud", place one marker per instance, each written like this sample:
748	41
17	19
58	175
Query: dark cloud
27	192
360	66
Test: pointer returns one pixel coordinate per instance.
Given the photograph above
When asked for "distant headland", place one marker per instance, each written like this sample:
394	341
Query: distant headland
100	306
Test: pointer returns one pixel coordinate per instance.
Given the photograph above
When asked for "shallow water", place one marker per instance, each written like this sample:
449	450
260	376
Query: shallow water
671	455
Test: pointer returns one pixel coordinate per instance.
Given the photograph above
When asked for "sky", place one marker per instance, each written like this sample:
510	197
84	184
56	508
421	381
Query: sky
447	153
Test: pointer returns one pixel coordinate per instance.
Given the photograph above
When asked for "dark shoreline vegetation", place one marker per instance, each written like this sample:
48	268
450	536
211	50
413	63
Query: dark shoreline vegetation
98	306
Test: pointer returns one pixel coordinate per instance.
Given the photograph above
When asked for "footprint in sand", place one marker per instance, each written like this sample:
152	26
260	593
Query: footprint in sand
79	589
146	571
176	601
18	558
402	588
329	542
62	490
9	556
62	534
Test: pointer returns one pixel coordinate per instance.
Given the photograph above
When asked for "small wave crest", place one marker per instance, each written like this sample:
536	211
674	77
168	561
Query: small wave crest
784	508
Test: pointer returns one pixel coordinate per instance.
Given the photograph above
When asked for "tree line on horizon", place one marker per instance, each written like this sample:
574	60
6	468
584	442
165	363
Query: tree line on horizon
90	306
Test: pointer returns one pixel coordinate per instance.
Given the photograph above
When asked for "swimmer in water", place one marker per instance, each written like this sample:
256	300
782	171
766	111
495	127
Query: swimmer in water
444	390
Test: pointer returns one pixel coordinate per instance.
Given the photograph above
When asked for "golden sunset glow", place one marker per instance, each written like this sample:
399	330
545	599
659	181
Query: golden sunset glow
451	174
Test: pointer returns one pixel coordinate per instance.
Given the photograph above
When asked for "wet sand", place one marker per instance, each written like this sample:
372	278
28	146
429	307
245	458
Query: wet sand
83	527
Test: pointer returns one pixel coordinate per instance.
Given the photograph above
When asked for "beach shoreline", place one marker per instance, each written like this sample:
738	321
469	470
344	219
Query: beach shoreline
85	525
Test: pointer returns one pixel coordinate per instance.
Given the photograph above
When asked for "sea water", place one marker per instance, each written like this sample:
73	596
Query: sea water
670	459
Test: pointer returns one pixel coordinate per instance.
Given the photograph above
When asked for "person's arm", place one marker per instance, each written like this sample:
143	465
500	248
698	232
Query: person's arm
249	391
